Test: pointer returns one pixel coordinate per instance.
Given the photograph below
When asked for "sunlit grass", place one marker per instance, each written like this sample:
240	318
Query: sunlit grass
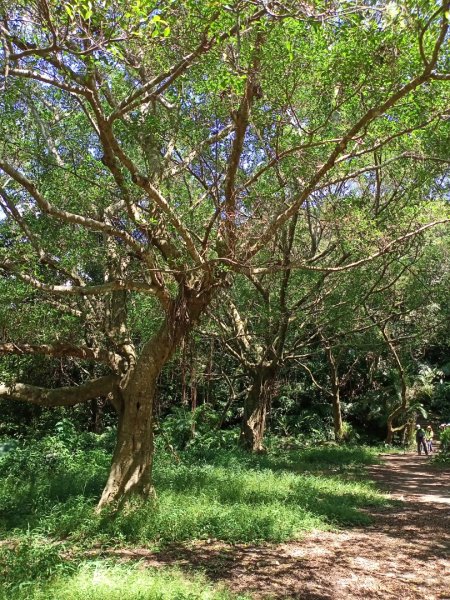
47	501
231	496
97	579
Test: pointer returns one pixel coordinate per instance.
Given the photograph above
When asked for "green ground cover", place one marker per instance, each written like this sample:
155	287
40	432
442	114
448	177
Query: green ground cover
49	487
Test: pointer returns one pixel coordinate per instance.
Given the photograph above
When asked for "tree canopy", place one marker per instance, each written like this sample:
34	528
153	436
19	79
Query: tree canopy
160	156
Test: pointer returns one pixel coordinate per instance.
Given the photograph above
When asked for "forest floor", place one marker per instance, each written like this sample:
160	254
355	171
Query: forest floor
404	554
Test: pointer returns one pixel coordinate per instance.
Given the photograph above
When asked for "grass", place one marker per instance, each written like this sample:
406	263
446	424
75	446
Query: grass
36	570
48	490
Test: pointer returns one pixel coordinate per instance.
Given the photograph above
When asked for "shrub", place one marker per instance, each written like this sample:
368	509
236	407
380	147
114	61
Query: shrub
445	441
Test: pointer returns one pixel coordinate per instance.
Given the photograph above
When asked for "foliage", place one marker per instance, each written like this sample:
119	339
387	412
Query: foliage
445	440
183	428
349	433
285	172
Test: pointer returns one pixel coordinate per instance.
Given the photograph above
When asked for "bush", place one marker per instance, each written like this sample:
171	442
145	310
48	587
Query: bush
445	441
349	434
195	430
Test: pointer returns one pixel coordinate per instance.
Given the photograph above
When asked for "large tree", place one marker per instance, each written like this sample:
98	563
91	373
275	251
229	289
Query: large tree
156	147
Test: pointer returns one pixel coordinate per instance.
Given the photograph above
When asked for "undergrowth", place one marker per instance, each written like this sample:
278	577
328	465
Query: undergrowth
49	488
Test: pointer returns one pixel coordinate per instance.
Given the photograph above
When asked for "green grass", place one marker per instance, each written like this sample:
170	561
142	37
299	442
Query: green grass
37	570
232	497
49	488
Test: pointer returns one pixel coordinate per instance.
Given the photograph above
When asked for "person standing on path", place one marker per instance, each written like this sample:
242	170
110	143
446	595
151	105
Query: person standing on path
420	439
429	435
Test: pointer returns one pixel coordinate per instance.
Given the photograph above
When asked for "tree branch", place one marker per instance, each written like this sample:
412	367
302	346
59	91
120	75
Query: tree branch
64	396
340	147
59	350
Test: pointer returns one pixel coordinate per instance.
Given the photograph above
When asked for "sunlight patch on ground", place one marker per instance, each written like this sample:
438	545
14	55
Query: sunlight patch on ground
367	563
435	498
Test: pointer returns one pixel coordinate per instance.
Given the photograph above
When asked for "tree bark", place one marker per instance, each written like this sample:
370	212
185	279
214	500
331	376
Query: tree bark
256	405
390	429
337	415
401	409
132	461
131	467
335	396
403	406
193	389
96	419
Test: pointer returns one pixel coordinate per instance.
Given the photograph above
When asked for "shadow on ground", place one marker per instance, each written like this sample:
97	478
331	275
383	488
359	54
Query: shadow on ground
403	555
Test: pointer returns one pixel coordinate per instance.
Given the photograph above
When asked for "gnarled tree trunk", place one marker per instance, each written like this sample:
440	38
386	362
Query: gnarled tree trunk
391	430
131	465
402	408
131	468
256	405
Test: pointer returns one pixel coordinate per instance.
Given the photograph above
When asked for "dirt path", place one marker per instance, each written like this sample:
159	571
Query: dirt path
404	555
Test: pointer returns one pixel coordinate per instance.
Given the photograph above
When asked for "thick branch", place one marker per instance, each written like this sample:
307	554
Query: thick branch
65	396
77	290
59	350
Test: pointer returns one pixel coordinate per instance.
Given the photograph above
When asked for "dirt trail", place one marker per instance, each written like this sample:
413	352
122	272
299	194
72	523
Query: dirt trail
404	555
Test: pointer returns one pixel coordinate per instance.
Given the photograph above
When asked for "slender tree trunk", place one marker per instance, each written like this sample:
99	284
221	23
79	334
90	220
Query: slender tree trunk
184	400
193	388
209	372
408	435
337	415
401	409
391	430
403	406
96	420
255	410
335	396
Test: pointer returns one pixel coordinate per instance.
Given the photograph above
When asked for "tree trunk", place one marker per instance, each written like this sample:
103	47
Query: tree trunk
133	455
184	400
193	389
335	396
389	431
131	468
255	410
401	409
408	435
96	419
337	415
